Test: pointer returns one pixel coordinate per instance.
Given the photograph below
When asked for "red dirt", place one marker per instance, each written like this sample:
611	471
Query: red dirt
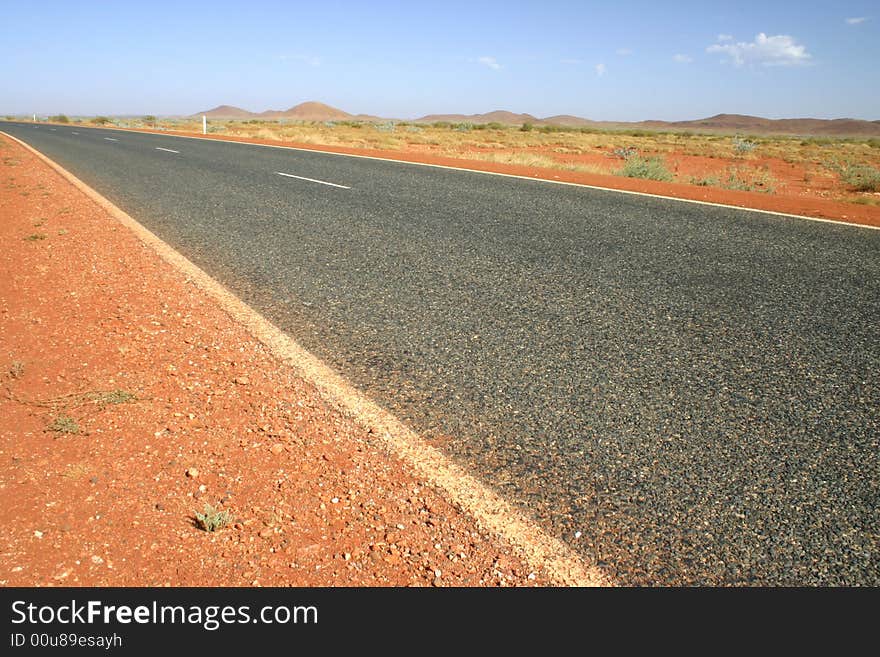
797	196
87	309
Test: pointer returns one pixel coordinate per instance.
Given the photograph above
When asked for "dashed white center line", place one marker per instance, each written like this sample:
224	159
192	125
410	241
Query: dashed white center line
320	182
53	129
74	133
110	139
167	150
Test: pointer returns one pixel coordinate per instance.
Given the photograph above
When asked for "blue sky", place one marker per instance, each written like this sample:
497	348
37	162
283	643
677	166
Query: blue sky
604	61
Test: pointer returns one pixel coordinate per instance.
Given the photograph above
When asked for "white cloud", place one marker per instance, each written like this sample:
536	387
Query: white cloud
856	21
778	50
725	37
624	52
491	62
601	69
682	59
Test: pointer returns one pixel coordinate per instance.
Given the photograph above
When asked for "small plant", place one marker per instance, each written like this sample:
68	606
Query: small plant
626	152
111	397
35	237
59	118
649	168
861	178
743	146
63	424
711	181
16	369
213	519
527	127
149	120
745	181
100	120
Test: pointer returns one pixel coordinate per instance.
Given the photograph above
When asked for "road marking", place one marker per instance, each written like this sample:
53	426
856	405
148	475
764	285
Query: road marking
53	129
167	150
540	550
74	133
322	182
110	139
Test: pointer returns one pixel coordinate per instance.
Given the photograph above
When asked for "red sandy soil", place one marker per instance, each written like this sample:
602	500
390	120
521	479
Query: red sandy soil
799	191
87	309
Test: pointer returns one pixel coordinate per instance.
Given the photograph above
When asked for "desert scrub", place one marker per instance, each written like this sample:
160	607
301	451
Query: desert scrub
35	237
110	397
743	146
861	178
624	153
63	424
650	168
213	519
749	181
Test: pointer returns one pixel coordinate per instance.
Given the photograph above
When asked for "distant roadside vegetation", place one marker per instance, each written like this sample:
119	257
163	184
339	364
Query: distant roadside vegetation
842	168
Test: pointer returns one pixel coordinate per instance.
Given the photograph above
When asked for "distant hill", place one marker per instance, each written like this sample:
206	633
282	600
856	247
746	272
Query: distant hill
309	111
756	124
498	116
226	112
720	123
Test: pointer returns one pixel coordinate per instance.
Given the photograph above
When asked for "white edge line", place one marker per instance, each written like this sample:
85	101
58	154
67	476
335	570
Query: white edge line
321	182
513	175
496	516
167	150
74	133
110	139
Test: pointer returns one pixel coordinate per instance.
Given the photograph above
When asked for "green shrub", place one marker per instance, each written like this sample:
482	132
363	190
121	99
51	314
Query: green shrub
649	168
100	120
212	519
59	118
526	127
743	146
64	424
861	178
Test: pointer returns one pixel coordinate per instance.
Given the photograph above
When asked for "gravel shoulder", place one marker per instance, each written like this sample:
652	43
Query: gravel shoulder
130	401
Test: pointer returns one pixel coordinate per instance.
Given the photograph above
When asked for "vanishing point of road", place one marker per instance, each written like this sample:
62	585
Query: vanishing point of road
684	393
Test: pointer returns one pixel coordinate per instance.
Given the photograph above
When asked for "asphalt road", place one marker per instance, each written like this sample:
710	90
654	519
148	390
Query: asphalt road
685	394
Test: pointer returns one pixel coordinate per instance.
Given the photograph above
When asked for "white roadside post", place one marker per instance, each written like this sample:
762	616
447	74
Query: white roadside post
204	124
35	118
